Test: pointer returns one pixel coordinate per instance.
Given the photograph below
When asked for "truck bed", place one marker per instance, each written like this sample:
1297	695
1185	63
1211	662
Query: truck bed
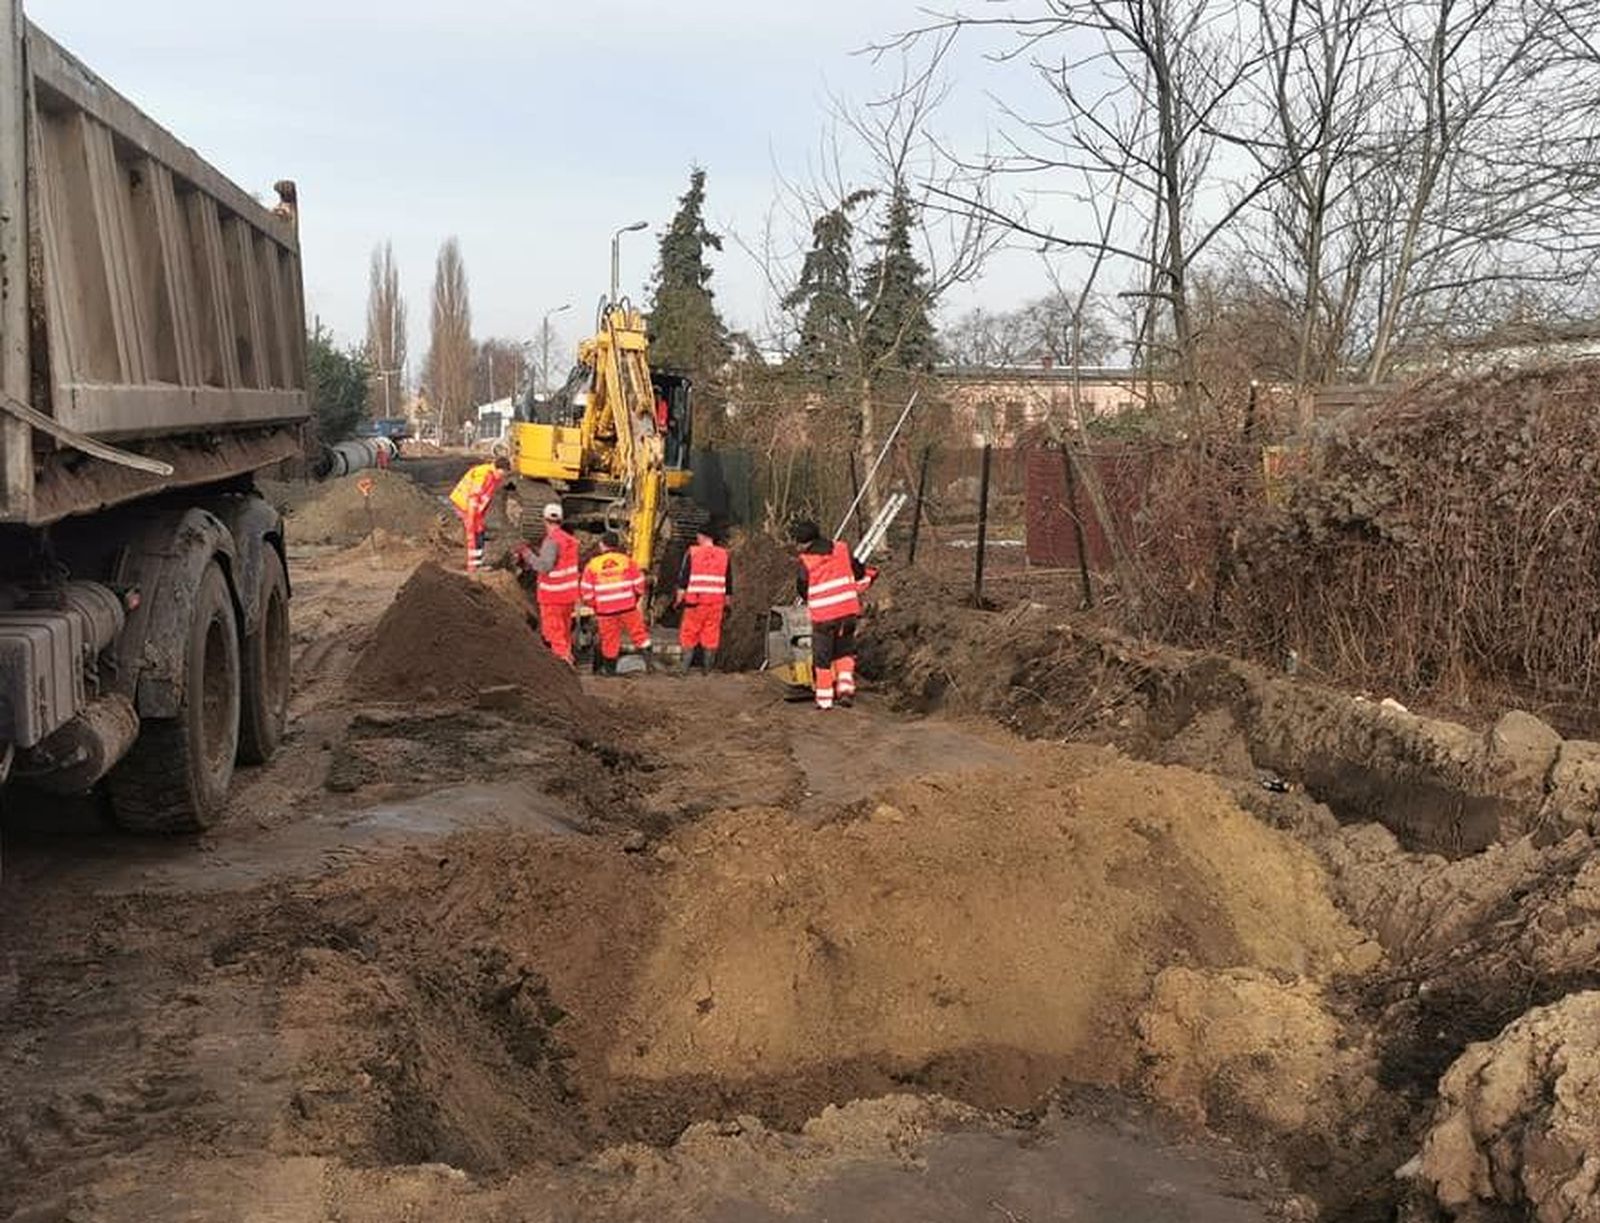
161	310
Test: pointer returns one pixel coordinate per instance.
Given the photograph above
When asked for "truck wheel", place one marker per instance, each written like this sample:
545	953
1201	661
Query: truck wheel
264	687
176	777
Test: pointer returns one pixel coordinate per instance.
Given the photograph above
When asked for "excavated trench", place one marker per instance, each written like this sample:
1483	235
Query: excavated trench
732	937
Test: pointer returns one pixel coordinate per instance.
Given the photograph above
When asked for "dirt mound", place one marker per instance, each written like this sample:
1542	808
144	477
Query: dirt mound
1518	1121
1020	912
447	637
763	578
335	512
1246	1053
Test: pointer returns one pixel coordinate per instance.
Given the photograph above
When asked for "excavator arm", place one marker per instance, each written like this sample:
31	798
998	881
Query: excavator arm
620	427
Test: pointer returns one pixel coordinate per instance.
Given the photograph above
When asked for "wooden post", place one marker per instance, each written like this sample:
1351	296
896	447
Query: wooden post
916	514
1077	523
16	457
855	493
983	524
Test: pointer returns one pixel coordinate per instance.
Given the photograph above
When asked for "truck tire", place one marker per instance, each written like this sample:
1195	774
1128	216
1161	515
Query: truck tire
264	678
176	777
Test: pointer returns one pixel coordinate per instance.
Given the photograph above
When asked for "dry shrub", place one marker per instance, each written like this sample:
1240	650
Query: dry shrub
1443	541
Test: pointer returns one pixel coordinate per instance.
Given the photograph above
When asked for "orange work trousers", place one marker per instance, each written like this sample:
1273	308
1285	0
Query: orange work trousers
555	626
613	626
701	627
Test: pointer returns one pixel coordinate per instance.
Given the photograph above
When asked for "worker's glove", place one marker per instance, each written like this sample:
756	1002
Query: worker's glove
677	599
869	578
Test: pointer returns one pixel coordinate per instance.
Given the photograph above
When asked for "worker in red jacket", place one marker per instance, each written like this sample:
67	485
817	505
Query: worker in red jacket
557	589
831	582
472	496
613	586
705	593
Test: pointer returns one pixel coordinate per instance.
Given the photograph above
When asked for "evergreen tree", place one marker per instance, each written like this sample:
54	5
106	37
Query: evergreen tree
826	292
686	332
337	380
897	332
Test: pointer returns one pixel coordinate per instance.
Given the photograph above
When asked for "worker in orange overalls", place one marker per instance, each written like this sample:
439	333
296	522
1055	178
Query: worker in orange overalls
831	582
472	496
705	593
557	588
613	586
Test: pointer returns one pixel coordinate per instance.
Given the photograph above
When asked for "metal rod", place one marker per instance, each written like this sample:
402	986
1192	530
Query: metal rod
882	454
879	530
916	517
983	525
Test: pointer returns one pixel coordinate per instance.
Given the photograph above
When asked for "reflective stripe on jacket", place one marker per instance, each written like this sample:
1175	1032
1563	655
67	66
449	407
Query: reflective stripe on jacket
832	592
560	585
708	575
612	584
475	491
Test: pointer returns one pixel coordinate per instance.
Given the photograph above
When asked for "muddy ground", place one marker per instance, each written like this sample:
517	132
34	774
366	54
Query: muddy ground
502	943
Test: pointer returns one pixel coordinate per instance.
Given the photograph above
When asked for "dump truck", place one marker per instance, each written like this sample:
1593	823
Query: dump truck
152	360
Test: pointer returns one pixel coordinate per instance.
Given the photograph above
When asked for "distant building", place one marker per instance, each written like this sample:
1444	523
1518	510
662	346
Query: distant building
494	420
999	405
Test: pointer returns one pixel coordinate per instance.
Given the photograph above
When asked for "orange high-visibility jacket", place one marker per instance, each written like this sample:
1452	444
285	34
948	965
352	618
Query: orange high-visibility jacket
612	584
708	576
560	585
474	492
832	592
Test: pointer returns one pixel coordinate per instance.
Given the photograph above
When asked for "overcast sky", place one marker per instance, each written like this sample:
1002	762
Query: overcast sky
529	128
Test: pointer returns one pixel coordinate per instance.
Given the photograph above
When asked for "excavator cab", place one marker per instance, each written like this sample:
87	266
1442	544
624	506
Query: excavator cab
675	420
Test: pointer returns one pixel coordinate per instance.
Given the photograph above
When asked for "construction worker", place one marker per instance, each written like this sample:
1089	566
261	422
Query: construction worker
613	586
831	583
472	496
705	593
557	588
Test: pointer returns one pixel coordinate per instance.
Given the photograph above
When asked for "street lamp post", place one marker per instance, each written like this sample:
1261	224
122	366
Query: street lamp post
544	343
616	253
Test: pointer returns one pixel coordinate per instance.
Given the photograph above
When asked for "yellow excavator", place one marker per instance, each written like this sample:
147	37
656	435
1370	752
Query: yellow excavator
613	444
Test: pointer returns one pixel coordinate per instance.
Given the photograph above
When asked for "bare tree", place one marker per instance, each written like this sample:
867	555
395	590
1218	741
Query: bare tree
1041	331
499	370
386	333
860	300
1146	93
1493	146
450	352
1325	73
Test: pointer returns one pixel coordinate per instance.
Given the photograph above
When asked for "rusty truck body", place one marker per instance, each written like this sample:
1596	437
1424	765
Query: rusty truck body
152	359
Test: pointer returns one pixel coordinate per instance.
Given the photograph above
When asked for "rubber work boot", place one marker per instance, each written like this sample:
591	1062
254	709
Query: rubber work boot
649	656
686	663
608	668
708	662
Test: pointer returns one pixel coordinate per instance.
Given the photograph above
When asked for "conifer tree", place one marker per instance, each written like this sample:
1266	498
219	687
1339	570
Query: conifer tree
686	331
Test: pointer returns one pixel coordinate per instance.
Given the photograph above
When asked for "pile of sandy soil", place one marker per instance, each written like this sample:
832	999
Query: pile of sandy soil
447	637
335	512
763	578
983	934
1518	1121
1023	913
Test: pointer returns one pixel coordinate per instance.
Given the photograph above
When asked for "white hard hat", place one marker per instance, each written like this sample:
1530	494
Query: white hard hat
552	512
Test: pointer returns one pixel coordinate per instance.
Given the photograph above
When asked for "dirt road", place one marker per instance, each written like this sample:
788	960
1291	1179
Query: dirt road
683	951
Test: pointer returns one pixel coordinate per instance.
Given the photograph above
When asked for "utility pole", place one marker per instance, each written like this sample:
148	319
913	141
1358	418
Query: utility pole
544	333
388	381
616	254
